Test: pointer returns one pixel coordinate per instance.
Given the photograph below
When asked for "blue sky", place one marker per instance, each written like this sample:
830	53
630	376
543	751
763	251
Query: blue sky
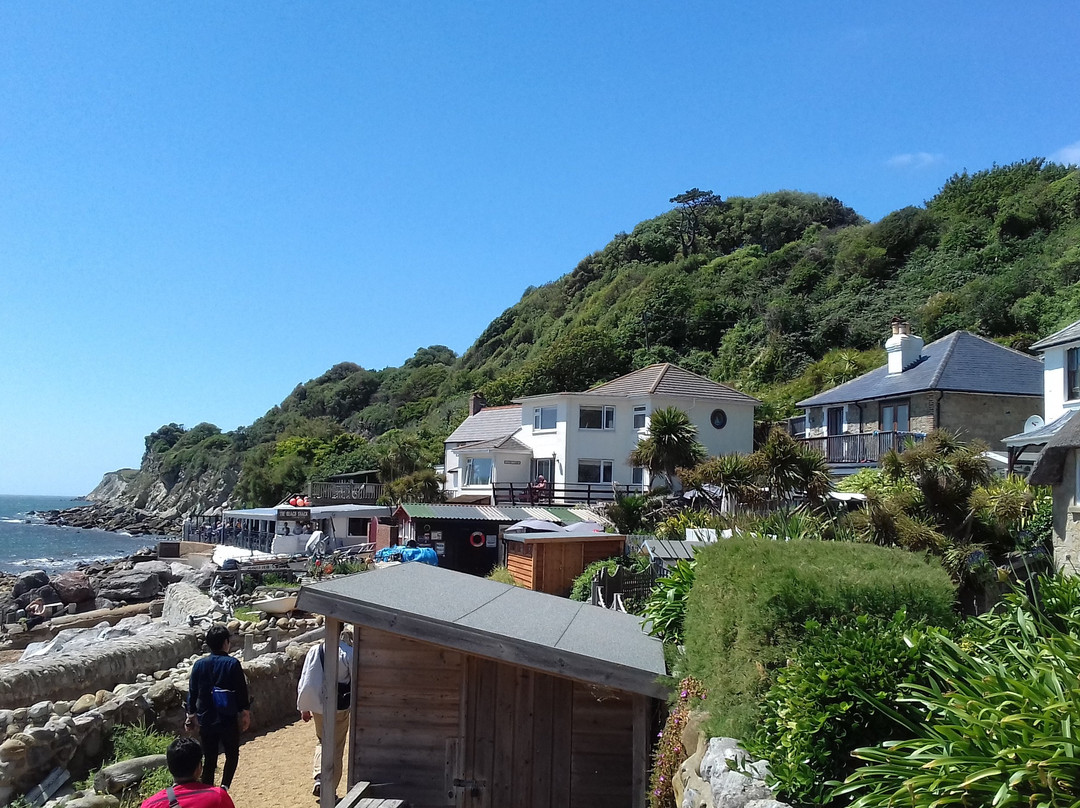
203	204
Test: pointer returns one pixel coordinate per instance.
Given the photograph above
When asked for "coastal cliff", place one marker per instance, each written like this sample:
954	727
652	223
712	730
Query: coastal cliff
150	499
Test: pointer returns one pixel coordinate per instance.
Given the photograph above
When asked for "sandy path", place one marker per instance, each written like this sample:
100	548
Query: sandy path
275	769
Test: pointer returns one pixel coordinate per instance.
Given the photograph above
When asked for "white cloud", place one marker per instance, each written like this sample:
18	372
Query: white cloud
1069	155
914	160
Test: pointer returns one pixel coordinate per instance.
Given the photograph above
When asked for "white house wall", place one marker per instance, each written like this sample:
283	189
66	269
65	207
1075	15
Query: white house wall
1054	383
737	437
546	443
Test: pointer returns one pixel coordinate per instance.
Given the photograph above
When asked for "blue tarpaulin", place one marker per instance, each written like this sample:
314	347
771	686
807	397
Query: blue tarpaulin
425	555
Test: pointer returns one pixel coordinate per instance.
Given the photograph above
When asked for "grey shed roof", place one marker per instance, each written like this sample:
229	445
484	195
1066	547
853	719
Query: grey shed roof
1037	436
664	550
666	379
498	621
1050	465
1070	333
489	423
960	362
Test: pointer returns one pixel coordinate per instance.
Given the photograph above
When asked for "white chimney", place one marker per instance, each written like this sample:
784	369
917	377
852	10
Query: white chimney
903	347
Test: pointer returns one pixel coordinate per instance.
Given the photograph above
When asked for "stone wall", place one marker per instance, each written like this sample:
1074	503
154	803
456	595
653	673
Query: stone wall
74	733
987	418
69	675
1067	519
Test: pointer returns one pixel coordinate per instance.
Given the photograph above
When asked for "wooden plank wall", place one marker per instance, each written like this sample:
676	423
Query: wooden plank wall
519	560
559	563
540	741
601	747
408	705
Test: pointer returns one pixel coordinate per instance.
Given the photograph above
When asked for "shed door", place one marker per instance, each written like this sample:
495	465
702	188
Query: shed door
515	738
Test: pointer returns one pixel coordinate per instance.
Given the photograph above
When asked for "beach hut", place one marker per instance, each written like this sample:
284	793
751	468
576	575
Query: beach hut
550	561
472	693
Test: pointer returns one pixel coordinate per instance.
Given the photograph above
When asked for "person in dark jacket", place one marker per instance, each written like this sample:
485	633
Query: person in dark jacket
218	706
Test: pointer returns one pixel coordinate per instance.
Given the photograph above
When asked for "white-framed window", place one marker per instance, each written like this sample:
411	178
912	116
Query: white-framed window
639	416
1076	488
478	471
1072	374
545	417
594	471
637	476
596	418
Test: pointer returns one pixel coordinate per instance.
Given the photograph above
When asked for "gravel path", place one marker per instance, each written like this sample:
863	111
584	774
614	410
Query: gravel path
275	769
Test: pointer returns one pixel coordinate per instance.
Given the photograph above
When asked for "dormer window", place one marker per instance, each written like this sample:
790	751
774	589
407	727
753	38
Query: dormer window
1072	374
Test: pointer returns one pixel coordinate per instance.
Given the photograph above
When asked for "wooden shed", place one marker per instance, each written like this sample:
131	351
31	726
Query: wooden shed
471	693
549	562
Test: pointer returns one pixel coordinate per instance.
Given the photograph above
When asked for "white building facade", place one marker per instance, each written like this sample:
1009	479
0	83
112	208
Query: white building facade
585	439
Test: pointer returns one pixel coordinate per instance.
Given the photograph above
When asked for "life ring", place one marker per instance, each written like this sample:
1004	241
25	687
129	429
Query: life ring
477	539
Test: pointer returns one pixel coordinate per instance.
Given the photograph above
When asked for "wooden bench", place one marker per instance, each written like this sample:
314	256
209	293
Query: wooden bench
356	799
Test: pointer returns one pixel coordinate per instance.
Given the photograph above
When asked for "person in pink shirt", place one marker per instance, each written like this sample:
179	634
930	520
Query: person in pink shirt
184	757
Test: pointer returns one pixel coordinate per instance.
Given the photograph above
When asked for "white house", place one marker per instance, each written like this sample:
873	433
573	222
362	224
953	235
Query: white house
580	442
1058	441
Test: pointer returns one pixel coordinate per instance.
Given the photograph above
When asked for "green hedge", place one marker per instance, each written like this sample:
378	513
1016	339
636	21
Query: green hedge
752	597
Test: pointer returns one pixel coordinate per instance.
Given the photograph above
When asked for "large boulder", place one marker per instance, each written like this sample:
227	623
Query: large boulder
73	587
31	579
734	777
130	585
160	568
46	593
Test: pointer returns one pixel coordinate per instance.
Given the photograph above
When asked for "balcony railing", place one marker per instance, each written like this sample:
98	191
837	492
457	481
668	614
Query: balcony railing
346	493
866	448
565	494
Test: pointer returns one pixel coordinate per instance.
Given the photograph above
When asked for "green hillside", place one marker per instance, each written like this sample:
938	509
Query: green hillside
781	294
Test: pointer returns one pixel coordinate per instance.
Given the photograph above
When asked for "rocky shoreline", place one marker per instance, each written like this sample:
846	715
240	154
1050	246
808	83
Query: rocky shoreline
116	519
139	578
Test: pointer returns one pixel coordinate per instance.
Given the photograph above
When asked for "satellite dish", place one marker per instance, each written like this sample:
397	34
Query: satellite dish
1033	423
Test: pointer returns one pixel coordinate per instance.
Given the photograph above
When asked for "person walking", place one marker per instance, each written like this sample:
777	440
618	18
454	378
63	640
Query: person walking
218	706
309	703
184	758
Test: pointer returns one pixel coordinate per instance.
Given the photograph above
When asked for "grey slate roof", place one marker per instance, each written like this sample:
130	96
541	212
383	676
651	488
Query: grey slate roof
666	379
456	610
489	423
507	443
1070	333
960	362
1050	465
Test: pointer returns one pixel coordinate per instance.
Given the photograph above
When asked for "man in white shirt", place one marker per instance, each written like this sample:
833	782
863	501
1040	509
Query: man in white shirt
309	703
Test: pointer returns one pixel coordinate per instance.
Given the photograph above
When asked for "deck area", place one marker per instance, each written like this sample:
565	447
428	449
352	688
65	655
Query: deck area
861	449
525	494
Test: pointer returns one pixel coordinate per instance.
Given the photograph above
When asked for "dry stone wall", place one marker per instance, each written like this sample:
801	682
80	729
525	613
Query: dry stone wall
73	733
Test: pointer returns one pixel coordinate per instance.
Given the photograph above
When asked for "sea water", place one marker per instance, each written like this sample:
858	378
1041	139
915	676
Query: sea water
27	543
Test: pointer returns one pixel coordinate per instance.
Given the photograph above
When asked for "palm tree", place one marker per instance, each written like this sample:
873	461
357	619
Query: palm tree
671	444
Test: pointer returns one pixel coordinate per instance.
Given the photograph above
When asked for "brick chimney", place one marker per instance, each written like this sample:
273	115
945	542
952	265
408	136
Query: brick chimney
903	347
476	403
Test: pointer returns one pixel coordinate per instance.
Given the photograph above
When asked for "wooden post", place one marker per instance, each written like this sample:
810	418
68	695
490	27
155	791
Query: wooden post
642	738
353	771
329	709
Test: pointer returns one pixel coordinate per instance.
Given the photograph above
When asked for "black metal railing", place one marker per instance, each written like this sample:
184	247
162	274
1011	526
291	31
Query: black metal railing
553	494
861	448
339	493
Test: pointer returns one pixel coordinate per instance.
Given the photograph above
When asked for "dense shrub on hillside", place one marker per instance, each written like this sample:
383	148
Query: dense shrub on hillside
752	598
1000	721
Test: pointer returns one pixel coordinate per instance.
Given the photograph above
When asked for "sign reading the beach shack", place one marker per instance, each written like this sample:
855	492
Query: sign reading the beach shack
294	514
